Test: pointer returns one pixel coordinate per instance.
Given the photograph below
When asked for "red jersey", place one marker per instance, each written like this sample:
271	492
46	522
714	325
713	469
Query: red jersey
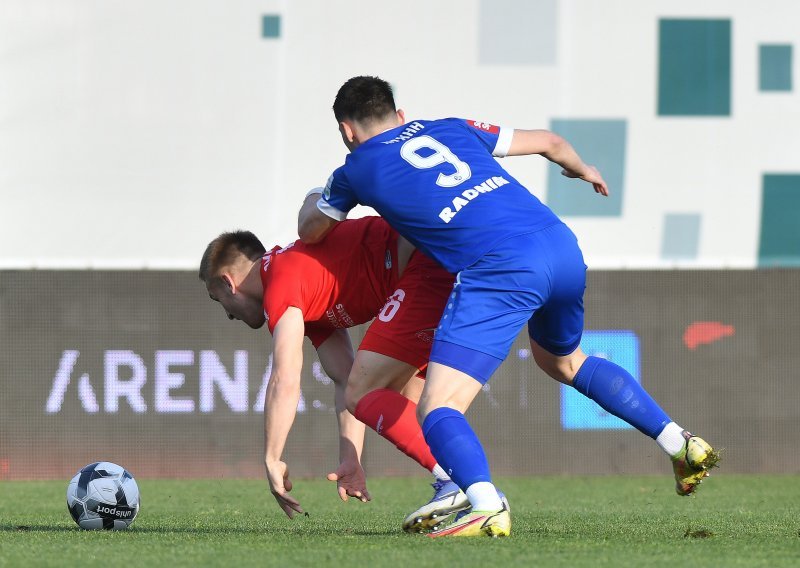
340	282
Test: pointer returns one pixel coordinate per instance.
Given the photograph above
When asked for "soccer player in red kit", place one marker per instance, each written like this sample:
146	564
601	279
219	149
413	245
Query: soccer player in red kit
360	272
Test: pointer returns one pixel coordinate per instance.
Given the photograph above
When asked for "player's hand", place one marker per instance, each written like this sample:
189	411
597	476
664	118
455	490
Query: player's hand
280	485
592	176
350	481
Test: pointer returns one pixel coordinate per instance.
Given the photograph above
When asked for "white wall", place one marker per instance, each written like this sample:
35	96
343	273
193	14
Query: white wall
132	133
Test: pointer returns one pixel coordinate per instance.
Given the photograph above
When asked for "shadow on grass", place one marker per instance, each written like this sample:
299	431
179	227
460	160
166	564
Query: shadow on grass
190	530
136	530
33	528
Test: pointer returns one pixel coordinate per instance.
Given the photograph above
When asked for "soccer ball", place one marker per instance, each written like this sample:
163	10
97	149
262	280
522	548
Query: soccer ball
103	495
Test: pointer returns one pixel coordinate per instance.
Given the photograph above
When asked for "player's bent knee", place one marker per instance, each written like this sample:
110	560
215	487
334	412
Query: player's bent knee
427	404
421	414
554	371
423	409
352	394
561	368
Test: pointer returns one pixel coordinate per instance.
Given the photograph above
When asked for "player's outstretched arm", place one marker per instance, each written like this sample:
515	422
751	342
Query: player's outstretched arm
557	150
313	224
280	405
336	356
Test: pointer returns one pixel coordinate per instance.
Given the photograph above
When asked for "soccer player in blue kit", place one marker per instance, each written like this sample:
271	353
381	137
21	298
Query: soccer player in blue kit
438	184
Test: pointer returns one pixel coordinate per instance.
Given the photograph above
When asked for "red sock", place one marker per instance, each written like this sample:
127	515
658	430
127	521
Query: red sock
394	417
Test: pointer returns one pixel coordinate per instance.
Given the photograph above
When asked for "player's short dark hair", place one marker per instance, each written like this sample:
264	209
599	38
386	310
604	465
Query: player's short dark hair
223	250
364	99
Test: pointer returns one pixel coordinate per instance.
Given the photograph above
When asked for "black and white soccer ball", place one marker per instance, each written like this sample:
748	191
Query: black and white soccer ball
103	495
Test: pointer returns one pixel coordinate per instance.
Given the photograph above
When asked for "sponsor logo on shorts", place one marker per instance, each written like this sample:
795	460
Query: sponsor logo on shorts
425	335
338	317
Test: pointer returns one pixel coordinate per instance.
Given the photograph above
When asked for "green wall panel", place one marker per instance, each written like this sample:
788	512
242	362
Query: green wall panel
779	244
681	238
271	26
600	143
775	67
694	67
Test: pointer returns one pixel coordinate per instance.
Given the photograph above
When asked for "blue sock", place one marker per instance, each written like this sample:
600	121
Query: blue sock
615	389
456	447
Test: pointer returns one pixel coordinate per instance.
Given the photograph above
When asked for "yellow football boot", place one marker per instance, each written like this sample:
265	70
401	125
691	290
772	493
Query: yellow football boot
692	463
478	523
447	499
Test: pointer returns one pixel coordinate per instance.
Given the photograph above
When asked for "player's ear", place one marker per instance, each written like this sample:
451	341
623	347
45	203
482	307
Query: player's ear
401	117
346	130
230	283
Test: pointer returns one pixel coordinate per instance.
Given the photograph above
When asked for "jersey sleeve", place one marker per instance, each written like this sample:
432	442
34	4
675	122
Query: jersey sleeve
273	311
281	293
337	197
497	139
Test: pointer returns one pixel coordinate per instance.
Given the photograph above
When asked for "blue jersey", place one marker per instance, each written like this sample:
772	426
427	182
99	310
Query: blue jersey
437	183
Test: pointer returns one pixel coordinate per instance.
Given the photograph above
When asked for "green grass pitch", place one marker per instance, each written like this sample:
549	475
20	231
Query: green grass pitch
557	521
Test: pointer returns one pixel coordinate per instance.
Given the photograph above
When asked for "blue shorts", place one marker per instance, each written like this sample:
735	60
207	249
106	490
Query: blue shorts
536	278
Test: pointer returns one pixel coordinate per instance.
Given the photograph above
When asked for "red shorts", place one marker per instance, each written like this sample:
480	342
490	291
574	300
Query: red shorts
405	325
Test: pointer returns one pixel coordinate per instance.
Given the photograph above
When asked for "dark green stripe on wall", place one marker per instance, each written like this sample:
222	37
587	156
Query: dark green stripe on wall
271	26
694	67
603	143
775	67
779	244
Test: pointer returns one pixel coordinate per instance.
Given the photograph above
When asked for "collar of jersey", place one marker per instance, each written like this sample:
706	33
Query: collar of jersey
380	135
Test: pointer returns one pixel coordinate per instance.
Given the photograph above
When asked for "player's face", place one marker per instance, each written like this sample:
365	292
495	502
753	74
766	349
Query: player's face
237	306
